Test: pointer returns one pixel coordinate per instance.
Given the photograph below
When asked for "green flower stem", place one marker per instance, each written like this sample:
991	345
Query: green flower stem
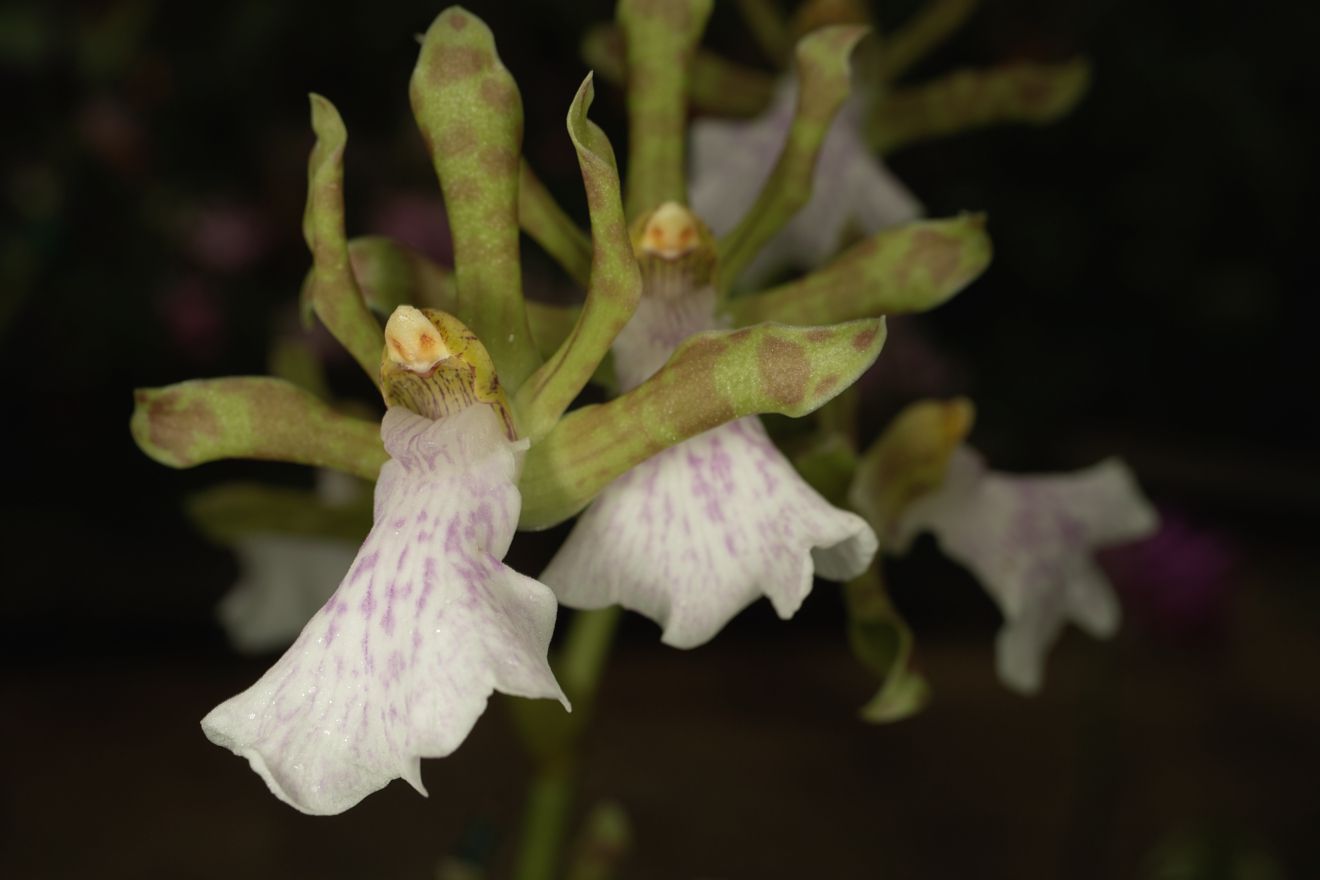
545	821
578	666
923	32
769	28
548	225
715	84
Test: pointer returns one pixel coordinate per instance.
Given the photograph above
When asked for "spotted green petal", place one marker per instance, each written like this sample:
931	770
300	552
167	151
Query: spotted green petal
925	31
712	378
614	290
548	225
882	641
715	84
333	291
659	40
908	268
823	81
971	99
470	114
203	420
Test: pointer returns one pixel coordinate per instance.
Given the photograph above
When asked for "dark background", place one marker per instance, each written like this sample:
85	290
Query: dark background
1152	295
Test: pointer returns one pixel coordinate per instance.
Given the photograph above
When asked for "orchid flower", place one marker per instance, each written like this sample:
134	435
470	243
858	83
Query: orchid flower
477	440
1029	540
694	534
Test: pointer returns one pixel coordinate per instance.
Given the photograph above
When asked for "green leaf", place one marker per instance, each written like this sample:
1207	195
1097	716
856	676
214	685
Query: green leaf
659	40
925	31
251	417
971	99
823	81
612	294
333	292
229	512
712	378
548	225
882	642
470	115
907	268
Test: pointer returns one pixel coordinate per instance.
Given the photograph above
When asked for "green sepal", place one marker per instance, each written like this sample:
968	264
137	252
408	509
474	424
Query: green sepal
612	293
909	268
659	40
551	324
391	274
828	464
908	460
470	114
712	378
925	31
333	292
822	68
882	642
293	360
232	511
715	84
191	423
551	228
971	99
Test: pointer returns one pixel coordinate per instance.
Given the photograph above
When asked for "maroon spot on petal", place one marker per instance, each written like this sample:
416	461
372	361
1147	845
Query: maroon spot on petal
865	338
784	370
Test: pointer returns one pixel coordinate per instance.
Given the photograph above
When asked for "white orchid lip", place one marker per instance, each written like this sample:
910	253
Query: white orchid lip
412	342
428	622
670	232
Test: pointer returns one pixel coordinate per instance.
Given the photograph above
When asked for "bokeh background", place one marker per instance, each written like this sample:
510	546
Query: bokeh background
1153	295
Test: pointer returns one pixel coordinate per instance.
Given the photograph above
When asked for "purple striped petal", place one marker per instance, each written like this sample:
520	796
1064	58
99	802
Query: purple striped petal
698	532
1031	540
400	662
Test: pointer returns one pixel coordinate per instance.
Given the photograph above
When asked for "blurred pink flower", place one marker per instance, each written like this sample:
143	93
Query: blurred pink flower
1179	579
194	320
227	236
